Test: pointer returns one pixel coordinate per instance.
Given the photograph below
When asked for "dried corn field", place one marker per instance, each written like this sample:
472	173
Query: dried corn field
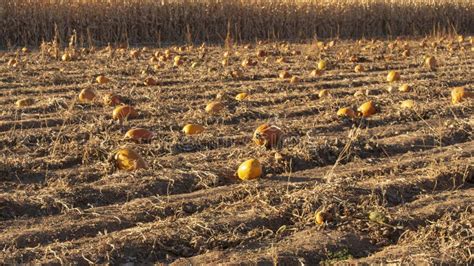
395	187
29	22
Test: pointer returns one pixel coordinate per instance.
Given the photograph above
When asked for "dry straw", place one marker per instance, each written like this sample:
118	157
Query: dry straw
29	22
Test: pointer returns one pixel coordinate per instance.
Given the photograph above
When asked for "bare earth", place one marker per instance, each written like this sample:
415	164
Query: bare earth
61	200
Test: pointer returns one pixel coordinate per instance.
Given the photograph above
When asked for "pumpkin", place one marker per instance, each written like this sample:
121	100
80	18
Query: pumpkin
135	54
225	62
214	107
241	96
87	95
139	134
323	93
102	79
284	75
66	57
178	63
25	102
294	80
322	64
236	74
360	93
346	112
359	68
393	76
378	217
458	94
268	135
404	88
280	60
129	160
124	112
367	109
12	62
193	129
261	53
111	99
431	63
316	73
321	217
150	82
407	104
250	169
248	62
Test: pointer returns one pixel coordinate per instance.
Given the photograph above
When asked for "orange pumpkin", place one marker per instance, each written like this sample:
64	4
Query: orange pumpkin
346	112
214	107
150	82
111	99
393	76
284	75
431	63
102	79
129	160
250	169
367	109
268	135
321	217
124	112
139	134
458	94
86	95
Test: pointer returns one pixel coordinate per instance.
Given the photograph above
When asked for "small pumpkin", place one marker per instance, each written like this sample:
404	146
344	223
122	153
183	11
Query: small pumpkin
66	57
393	76
407	104
346	112
359	69
323	93
214	107
431	63
378	217
150	82
111	99
193	129
261	53
404	88
241	96
248	62
124	112
458	94
12	62
25	102
367	109
316	73
322	64
102	79
322	217
129	160
268	135
135	54
250	169
284	75
87	95
139	134
294	80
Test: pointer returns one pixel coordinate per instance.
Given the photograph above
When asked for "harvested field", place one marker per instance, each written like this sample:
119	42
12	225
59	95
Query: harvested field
62	200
